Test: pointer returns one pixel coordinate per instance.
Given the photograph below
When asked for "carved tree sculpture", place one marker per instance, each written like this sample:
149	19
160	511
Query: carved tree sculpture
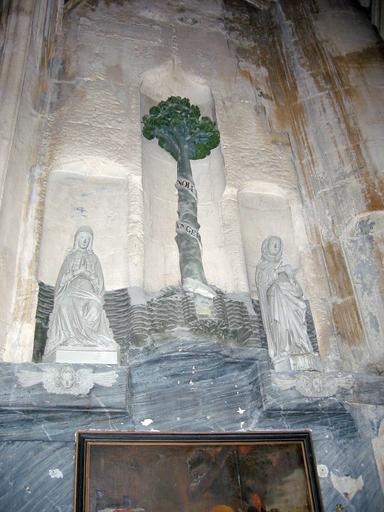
180	130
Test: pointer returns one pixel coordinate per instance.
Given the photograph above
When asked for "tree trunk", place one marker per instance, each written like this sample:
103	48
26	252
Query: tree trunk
187	227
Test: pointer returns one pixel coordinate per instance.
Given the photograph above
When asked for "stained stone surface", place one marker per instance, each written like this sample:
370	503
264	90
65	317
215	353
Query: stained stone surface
296	90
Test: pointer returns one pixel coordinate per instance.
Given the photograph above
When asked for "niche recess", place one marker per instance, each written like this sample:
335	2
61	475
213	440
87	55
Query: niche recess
363	245
265	211
94	193
161	265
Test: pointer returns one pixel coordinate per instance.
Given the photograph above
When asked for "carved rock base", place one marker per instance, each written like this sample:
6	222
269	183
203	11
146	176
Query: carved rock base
84	355
297	362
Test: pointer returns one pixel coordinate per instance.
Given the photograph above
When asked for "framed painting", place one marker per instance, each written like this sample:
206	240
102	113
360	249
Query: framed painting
223	472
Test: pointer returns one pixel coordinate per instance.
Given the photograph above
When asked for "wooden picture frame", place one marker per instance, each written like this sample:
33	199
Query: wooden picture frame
199	472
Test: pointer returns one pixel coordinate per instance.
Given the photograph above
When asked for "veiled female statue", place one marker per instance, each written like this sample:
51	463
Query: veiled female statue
78	317
282	305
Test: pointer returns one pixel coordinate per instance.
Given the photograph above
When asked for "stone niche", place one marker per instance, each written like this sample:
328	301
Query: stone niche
161	267
87	192
84	193
363	245
265	210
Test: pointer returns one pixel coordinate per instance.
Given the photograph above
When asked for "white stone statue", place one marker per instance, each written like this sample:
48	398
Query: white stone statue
283	310
78	323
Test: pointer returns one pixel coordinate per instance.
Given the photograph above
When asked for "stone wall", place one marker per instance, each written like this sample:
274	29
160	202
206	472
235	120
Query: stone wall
295	89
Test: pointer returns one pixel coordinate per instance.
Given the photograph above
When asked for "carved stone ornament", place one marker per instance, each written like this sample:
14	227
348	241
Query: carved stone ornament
313	384
65	380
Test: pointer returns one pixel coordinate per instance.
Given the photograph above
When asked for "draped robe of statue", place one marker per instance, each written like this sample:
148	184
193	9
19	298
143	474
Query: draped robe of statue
78	317
282	305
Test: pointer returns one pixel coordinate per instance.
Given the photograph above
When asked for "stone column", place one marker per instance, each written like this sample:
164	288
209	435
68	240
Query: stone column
26	36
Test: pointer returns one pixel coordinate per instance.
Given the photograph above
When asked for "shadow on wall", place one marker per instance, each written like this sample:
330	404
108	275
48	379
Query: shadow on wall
161	267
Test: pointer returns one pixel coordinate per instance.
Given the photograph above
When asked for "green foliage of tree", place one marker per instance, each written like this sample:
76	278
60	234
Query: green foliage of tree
178	126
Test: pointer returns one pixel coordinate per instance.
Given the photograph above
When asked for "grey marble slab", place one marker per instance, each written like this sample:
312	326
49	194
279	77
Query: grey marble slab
36	476
48	426
195	386
185	384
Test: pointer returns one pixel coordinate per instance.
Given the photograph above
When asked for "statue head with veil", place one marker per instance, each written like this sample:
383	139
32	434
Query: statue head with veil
78	318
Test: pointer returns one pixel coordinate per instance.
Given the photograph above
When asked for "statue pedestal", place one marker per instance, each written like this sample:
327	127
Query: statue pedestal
84	355
297	362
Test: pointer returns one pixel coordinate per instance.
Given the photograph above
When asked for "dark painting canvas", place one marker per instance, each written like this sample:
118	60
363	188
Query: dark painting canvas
197	473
